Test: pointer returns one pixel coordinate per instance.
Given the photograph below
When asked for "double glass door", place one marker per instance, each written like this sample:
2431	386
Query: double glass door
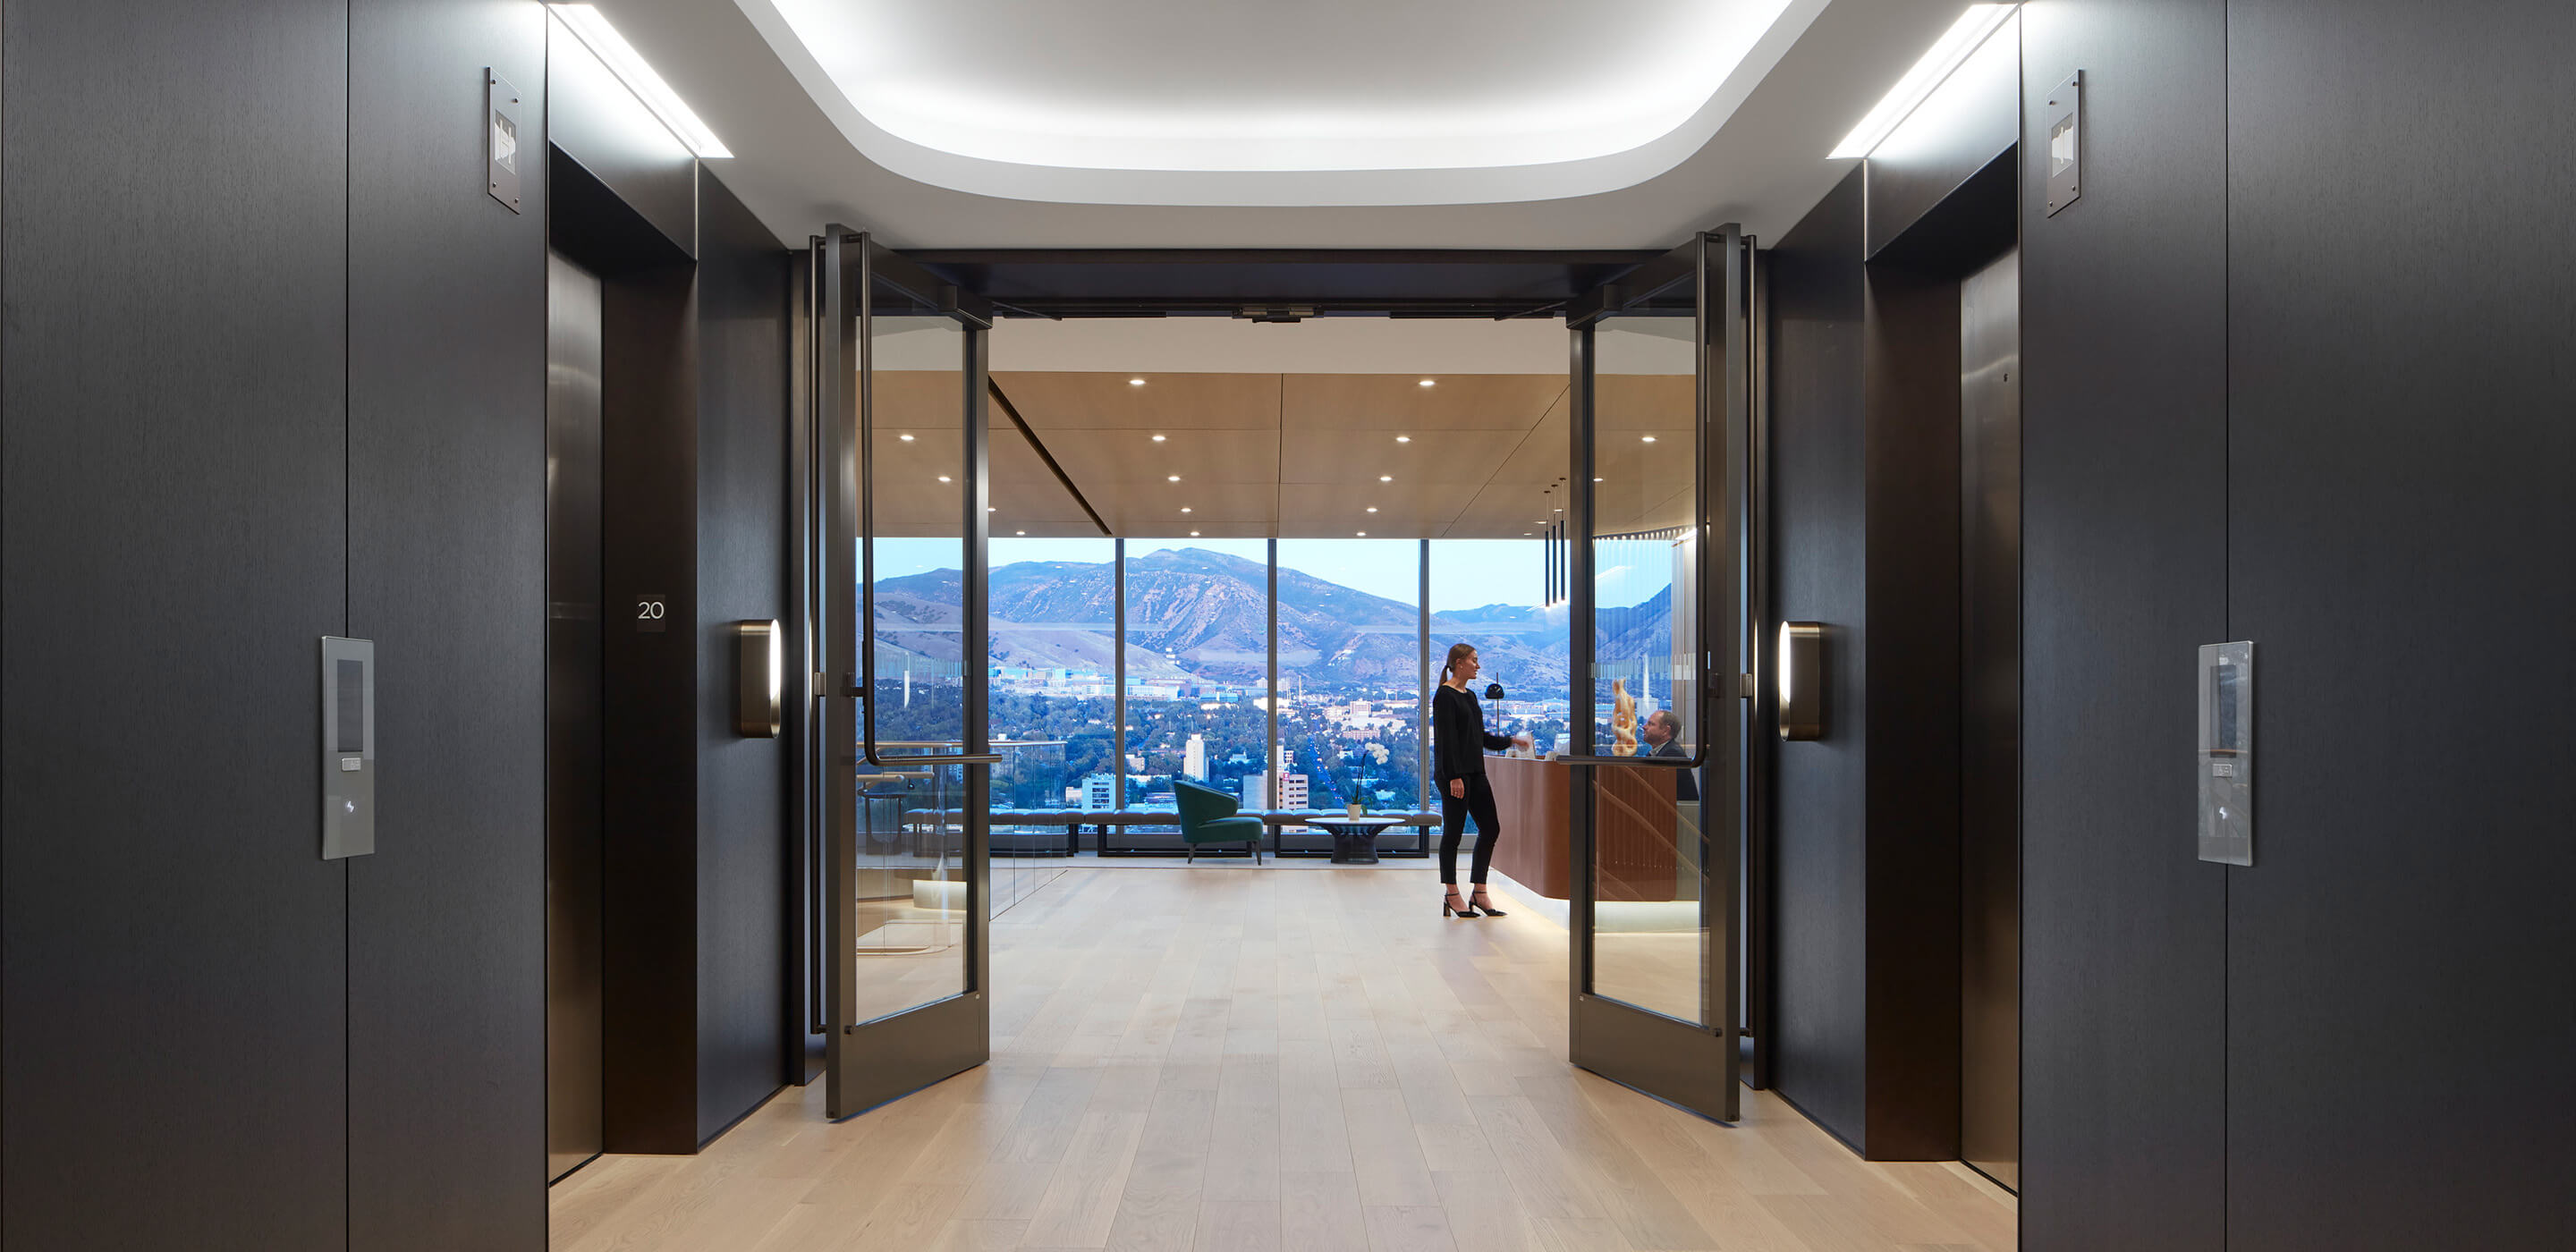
902	615
1657	529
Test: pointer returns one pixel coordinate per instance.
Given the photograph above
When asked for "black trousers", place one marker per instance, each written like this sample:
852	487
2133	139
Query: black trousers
1454	812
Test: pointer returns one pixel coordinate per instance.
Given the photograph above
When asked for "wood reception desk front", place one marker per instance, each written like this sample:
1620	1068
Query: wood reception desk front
1646	835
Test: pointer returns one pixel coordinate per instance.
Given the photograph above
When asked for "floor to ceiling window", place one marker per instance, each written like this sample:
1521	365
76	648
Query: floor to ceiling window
1495	594
1350	670
1197	669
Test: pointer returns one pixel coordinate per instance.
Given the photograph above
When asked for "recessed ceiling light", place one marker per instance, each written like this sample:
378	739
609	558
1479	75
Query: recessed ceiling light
1596	480
1427	382
1363	534
943	478
1171	478
1386	478
1372	508
1135	382
1194	534
905	438
1525	532
992	508
1404	438
632	69
1948	53
1185	508
1158	438
1648	438
1023	532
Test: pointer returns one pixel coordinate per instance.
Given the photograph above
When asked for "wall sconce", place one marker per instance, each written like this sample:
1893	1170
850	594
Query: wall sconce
1802	680
760	673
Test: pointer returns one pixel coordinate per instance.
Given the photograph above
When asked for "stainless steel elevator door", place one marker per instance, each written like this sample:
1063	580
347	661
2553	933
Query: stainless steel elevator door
1990	716
574	739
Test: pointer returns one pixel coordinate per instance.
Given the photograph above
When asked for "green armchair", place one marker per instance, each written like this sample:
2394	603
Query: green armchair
1208	816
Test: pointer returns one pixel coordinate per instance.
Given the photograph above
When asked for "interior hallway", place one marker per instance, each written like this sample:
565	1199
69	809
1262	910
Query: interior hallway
1231	1058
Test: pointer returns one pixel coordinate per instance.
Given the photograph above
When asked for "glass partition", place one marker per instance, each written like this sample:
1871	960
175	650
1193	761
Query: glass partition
1052	650
911	851
1650	926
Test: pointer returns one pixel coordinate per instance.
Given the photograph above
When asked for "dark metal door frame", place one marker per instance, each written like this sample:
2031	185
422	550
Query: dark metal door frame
874	1061
1693	1065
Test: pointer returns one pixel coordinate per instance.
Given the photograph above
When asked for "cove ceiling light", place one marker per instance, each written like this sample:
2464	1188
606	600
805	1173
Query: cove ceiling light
632	69
1317	102
1948	53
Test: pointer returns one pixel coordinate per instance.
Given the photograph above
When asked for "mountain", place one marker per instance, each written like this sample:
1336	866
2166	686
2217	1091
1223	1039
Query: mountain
1194	612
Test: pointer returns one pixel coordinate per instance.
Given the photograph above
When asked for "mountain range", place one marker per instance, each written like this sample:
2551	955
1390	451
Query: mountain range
1197	613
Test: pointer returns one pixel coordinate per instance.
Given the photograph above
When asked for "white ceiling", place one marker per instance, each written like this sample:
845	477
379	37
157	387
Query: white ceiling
1308	103
1761	163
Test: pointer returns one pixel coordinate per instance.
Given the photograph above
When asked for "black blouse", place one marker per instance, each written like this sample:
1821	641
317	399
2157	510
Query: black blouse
1458	731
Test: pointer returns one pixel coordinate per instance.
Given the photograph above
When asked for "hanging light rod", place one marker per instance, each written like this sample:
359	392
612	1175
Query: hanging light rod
632	69
1948	53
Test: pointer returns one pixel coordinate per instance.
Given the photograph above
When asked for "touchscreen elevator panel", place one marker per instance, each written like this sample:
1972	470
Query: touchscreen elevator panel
2226	756
348	747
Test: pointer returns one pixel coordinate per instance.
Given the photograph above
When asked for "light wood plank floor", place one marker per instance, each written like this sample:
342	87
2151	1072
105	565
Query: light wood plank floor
1231	1058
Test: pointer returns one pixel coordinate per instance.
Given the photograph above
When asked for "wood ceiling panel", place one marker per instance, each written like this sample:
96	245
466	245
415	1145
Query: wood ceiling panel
1168	402
1501	511
1399	403
1449	458
1337	510
1205	530
1137	516
1100	460
918	401
1540	456
1644	402
1627	514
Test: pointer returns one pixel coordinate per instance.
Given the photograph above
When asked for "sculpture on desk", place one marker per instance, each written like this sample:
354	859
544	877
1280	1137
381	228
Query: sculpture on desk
1623	719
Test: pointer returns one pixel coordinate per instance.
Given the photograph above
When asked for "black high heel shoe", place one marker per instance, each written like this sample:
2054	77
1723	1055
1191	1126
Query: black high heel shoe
1488	906
1461	909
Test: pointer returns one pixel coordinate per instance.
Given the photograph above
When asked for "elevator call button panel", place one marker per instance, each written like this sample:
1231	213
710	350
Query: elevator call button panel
2226	756
348	747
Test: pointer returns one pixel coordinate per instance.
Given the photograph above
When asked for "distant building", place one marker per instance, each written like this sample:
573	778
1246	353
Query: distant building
1194	758
1292	791
1255	796
1100	792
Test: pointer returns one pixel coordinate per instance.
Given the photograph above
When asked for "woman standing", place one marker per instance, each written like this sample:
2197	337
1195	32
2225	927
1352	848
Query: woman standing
1458	725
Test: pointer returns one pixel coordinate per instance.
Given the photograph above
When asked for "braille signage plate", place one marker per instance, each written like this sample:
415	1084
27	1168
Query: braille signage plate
501	143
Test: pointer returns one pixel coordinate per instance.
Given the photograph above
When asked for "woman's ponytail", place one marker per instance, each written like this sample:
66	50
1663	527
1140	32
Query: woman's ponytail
1457	652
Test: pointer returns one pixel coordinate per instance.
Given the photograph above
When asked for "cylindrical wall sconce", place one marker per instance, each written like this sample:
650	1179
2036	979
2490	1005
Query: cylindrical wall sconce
1802	680
760	675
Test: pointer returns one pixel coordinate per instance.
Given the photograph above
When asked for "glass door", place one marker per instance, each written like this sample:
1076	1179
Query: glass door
906	496
1658	522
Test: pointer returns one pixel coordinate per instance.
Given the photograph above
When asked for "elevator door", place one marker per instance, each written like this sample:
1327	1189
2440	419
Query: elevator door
574	741
1990	713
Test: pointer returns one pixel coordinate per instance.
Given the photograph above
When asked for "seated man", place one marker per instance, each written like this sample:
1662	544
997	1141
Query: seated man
1663	735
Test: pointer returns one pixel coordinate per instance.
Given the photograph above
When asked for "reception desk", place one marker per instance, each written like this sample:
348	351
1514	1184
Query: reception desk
1649	840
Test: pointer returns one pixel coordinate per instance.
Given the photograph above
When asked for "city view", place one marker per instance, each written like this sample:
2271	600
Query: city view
1198	667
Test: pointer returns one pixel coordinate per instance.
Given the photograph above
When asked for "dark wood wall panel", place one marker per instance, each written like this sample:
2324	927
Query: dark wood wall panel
649	902
2124	531
1818	517
2402	552
1910	451
742	571
447	575
175	1070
